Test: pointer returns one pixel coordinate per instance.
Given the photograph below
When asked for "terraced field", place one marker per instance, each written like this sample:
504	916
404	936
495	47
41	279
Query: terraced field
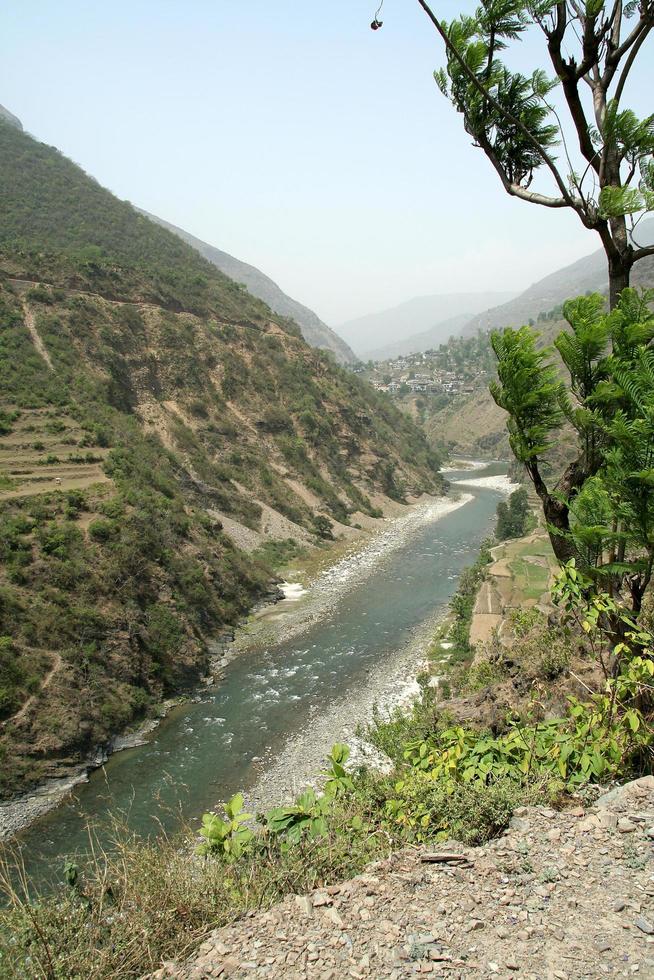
520	576
46	451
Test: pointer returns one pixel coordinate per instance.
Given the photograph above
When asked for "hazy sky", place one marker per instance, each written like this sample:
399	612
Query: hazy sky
287	133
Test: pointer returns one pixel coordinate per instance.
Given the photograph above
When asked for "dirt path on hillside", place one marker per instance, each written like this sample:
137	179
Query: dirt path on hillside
57	664
30	322
561	896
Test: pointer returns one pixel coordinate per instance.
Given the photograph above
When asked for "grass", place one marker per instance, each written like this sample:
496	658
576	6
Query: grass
530	580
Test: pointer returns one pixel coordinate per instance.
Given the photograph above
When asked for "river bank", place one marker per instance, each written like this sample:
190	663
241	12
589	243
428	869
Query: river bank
390	686
394	684
272	622
299	611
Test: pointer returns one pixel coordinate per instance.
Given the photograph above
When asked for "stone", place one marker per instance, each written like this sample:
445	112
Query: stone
637	786
334	917
626	826
519	823
320	899
304	904
590	823
644	925
607	819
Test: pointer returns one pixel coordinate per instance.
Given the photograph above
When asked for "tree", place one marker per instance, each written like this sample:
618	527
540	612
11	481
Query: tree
601	511
592	48
513	517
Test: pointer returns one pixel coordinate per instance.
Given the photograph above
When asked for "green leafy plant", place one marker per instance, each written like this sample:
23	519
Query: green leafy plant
337	779
226	836
601	511
306	817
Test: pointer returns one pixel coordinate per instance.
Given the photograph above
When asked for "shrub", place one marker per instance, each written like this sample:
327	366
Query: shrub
323	527
11	677
276	554
540	651
103	529
275	421
482	674
59	540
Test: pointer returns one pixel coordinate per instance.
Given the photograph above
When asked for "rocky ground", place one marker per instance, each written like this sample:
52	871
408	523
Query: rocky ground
561	895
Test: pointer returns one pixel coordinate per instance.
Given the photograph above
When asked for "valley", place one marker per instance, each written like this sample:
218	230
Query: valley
160	427
326	626
296	673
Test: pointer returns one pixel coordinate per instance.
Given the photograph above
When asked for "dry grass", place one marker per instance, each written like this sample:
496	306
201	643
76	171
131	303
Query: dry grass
138	903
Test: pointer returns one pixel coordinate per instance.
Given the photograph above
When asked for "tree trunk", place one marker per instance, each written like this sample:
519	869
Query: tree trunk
619	274
619	255
557	516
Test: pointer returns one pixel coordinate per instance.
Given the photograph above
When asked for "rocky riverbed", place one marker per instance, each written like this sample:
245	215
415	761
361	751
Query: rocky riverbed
292	616
283	775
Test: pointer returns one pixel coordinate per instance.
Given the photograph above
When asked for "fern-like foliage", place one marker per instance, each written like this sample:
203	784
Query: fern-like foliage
603	510
529	390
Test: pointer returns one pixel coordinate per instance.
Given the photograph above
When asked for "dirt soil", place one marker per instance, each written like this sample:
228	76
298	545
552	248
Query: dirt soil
561	895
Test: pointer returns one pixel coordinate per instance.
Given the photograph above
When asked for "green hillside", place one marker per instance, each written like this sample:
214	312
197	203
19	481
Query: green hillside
158	426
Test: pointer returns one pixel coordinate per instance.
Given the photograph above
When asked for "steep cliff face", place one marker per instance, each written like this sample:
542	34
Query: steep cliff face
158	425
314	331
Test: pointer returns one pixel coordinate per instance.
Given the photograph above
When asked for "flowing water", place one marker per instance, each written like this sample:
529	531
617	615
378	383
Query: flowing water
204	751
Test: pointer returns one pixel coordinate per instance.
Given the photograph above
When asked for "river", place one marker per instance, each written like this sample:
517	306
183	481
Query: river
206	750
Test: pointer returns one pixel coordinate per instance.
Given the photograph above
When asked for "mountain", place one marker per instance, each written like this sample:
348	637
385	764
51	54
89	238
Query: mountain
427	340
406	325
588	274
165	438
314	331
10	117
472	423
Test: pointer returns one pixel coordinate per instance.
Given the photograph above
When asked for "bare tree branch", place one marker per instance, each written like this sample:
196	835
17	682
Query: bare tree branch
642	253
614	57
629	63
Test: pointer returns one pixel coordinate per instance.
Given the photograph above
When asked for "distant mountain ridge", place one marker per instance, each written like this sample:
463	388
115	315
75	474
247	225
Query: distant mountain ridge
10	117
314	331
419	323
428	340
588	274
